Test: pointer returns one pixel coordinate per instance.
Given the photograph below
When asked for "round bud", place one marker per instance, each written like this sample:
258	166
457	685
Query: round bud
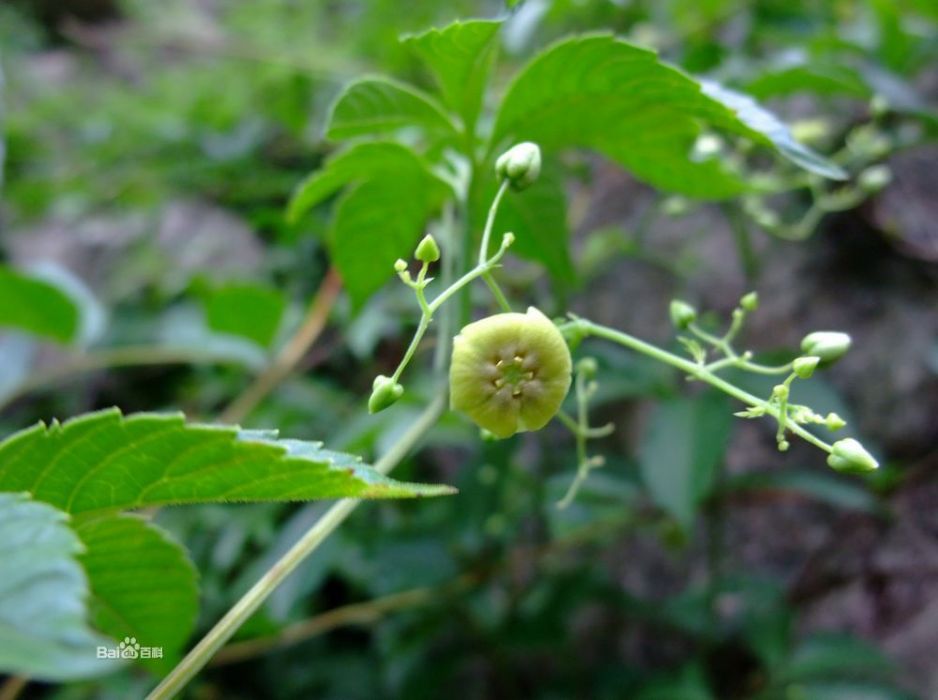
385	392
780	392
874	178
682	314
400	265
520	165
834	422
850	456
750	302
427	250
804	366
587	367
828	346
510	372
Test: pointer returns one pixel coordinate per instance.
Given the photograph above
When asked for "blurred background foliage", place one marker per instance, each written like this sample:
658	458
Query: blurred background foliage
149	151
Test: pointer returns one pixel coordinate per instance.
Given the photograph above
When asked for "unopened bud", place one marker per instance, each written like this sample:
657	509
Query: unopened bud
828	346
587	367
750	302
874	178
400	265
682	314
385	392
780	392
834	422
427	250
804	366
520	165
850	456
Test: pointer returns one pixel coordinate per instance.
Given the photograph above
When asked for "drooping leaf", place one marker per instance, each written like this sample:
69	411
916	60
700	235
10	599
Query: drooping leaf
822	486
761	121
105	462
143	585
605	94
381	217
248	310
460	55
35	306
43	630
808	76
377	105
682	450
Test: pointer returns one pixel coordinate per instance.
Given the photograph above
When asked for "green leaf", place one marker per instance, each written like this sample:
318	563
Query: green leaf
829	79
833	656
142	583
761	122
377	105
248	310
824	487
682	450
105	462
43	633
37	307
460	55
381	217
603	93
538	218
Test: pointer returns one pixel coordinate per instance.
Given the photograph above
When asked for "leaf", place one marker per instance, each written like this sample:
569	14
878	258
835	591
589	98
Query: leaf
602	93
381	217
247	310
682	450
460	55
538	218
819	485
809	76
105	462
833	656
761	121
43	633
37	307
377	105
142	583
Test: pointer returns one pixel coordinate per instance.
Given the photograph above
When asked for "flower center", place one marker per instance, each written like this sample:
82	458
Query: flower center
513	373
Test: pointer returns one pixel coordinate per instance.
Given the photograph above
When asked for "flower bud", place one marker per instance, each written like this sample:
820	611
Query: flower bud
587	367
874	178
826	345
750	302
400	265
804	366
850	456
510	372
385	392
520	165
682	314
427	250
834	422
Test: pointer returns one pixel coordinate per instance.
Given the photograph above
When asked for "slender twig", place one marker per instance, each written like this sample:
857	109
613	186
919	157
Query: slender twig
293	351
223	630
12	687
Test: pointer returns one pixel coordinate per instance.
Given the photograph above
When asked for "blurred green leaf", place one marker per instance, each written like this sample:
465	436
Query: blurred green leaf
37	307
104	462
377	105
836	656
142	584
822	486
682	450
460	56
43	632
248	310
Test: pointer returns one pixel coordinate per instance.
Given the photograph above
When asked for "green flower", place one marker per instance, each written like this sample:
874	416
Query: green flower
510	372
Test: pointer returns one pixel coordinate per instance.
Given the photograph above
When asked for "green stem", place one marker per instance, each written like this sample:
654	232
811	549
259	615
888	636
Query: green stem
699	372
223	630
490	221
